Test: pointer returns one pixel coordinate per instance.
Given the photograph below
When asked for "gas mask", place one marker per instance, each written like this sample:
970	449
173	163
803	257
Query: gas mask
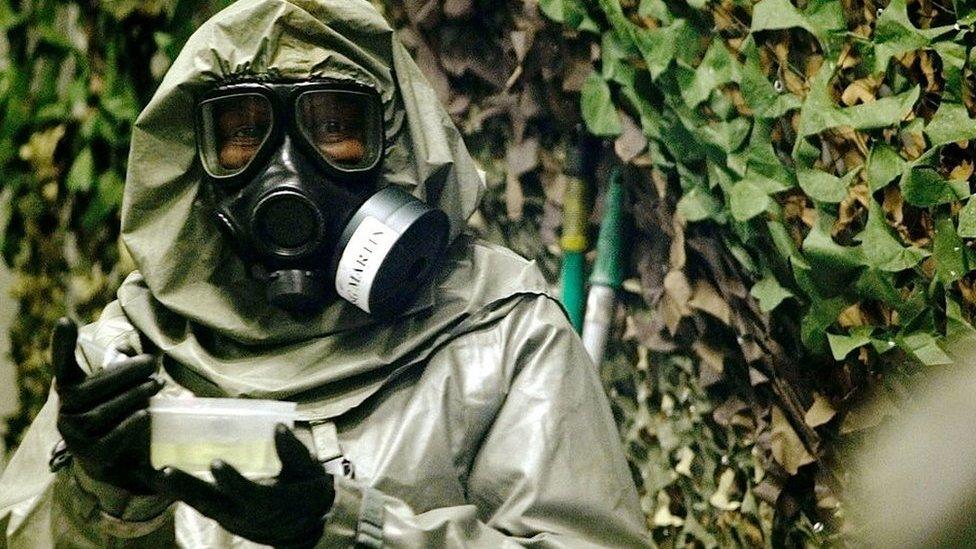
293	170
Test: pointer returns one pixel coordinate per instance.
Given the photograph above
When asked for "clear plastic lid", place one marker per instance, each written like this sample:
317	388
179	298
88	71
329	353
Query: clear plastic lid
223	406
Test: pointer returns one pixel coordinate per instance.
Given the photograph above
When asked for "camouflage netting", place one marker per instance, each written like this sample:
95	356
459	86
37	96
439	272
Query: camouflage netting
806	171
798	176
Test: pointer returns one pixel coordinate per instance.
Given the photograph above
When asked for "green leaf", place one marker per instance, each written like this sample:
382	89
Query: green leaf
826	256
948	251
680	142
957	327
8	17
769	293
914	308
953	56
951	123
657	9
763	166
107	200
819	112
884	112
727	136
650	118
813	327
923	186
82	172
599	111
884	164
967	219
965	11
823	186
820	18
758	91
842	345
657	47
746	201
570	12
785	245
879	285
777	14
698	204
122	107
717	68
881	249
614	58
894	34
925	348
825	16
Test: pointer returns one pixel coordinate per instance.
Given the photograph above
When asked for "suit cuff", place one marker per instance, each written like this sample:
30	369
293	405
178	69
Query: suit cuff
122	514
356	517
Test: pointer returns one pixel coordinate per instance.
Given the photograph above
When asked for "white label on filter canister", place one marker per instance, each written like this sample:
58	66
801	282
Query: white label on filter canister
361	260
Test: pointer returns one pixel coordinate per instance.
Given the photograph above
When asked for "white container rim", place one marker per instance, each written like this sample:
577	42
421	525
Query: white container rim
223	406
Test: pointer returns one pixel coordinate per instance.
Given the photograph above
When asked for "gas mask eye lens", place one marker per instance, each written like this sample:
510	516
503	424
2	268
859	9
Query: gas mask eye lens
344	127
232	131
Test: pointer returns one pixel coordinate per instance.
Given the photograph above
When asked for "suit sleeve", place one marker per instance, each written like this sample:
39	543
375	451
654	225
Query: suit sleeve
550	471
39	508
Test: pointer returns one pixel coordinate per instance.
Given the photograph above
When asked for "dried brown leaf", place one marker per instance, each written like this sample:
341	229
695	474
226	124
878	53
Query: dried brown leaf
514	198
724	412
722	498
788	449
458	9
523	157
820	411
961	172
710	357
677	294
756	377
863	90
707	299
685	457
851	317
677	256
632	141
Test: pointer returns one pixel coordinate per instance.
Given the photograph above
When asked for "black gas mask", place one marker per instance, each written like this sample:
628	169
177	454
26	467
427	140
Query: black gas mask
294	176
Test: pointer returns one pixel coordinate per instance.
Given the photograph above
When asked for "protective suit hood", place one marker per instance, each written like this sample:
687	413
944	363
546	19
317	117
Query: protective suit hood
192	296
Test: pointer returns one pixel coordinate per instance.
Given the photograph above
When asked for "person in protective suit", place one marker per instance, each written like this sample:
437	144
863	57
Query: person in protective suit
295	203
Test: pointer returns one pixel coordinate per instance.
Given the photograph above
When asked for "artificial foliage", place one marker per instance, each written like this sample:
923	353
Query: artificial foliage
798	178
819	155
73	77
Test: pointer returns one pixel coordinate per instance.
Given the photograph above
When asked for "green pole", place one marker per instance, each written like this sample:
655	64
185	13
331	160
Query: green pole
608	271
573	244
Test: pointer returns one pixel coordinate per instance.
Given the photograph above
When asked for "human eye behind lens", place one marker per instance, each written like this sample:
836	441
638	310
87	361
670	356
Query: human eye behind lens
239	145
247	133
330	130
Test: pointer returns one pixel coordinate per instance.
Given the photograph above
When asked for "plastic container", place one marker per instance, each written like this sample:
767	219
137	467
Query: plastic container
190	433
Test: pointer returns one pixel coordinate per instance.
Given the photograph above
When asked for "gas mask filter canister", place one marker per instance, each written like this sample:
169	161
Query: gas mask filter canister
387	250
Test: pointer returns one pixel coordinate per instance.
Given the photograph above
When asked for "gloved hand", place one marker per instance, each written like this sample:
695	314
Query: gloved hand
104	418
289	511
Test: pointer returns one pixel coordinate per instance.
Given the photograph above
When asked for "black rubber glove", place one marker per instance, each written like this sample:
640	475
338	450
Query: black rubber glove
288	511
104	418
